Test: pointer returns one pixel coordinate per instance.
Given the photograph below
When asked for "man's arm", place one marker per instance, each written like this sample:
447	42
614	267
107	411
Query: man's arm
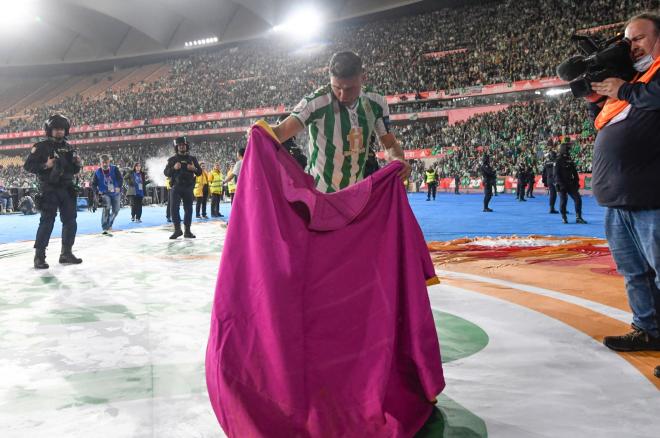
394	151
639	95
36	161
95	183
642	96
198	168
290	127
168	169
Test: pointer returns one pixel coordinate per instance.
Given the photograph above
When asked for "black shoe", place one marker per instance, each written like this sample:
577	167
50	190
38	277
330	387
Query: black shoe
169	220
579	220
188	234
564	219
636	340
487	210
427	199
198	216
67	257
40	259
531	196
204	216
554	212
657	371
177	232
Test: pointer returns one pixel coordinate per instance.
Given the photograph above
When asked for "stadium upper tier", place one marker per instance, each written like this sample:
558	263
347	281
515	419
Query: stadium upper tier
445	49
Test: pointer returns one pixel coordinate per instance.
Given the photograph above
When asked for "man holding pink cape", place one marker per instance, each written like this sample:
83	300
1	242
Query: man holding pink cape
321	323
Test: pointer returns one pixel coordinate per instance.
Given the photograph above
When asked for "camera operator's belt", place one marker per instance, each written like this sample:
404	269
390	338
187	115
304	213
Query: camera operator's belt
613	107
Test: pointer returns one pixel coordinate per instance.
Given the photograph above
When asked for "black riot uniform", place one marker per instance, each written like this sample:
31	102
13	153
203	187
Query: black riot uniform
548	178
531	180
521	176
568	183
489	178
57	190
182	181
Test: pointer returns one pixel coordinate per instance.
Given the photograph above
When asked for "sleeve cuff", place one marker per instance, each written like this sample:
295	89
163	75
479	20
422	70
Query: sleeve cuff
624	91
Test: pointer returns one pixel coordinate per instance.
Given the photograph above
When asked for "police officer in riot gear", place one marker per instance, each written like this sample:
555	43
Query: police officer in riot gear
182	169
568	183
548	178
489	178
55	162
521	176
531	179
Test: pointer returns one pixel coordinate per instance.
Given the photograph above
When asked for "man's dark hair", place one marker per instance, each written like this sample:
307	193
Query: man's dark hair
241	152
655	18
345	65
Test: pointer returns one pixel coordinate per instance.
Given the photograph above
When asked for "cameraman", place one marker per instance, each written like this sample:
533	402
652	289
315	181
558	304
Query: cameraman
626	177
182	168
55	162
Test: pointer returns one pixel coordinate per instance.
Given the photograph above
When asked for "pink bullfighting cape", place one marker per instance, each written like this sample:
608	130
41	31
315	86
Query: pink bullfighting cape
321	323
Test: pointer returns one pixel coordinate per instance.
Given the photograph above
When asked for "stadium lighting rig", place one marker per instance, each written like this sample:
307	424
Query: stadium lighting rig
18	11
201	42
557	91
303	23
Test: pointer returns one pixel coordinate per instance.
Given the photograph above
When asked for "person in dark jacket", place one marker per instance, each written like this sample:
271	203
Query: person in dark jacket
136	187
457	182
626	179
521	177
489	178
55	162
531	179
182	169
548	178
107	183
567	183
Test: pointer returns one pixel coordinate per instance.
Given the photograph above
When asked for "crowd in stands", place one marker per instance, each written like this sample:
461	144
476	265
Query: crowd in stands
504	40
522	130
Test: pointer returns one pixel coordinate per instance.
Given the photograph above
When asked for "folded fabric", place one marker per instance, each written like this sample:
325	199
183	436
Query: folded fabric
321	323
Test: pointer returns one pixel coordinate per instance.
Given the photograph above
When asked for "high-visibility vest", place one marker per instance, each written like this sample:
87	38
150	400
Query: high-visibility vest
431	177
216	182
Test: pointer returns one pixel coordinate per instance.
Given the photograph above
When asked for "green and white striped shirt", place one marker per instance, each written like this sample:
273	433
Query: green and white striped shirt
339	136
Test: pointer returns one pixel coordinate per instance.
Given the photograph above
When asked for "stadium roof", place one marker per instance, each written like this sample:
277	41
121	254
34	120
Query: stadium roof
47	32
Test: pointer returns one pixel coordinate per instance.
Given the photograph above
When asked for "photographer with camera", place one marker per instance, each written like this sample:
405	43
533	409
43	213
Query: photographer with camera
626	177
182	169
55	162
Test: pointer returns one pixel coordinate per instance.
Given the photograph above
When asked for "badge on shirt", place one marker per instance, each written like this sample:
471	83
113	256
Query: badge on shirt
355	142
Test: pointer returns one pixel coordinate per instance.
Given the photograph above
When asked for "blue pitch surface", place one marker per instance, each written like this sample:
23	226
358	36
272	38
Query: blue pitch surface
449	217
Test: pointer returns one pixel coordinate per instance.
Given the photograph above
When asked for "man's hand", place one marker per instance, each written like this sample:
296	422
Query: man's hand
404	173
609	87
177	166
50	163
117	189
190	167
